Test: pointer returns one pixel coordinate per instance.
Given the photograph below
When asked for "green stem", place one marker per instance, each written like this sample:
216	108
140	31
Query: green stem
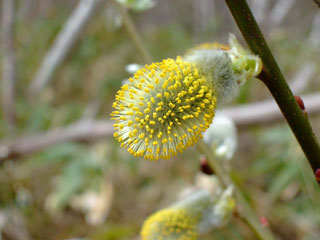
274	80
245	210
133	33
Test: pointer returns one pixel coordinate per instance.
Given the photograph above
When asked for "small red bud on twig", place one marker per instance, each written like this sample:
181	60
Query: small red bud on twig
204	166
317	174
264	221
300	102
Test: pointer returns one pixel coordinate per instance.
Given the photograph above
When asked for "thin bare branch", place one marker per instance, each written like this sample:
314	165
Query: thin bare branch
259	9
132	32
280	11
202	13
302	78
63	43
82	131
87	130
266	111
14	223
8	62
315	30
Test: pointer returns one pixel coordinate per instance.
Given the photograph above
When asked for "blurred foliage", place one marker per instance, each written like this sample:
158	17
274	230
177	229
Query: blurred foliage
269	165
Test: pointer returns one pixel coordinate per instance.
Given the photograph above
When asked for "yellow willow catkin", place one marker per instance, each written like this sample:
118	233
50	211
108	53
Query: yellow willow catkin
164	109
190	217
170	223
167	105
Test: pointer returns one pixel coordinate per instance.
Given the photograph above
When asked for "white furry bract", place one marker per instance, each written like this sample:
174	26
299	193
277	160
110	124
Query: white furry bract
215	64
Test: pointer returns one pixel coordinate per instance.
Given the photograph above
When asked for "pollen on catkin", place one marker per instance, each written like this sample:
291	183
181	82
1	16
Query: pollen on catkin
195	214
170	223
163	109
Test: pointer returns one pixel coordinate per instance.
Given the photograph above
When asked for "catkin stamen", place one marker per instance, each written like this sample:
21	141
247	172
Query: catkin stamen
163	109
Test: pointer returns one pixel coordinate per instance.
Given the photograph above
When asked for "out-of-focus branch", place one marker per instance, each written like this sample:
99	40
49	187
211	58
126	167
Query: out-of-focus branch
315	30
266	111
62	44
87	130
8	62
82	131
202	13
132	32
260	9
302	78
279	12
14	223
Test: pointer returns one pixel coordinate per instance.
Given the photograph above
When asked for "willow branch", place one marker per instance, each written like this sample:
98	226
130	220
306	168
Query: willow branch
279	12
267	111
132	32
274	80
314	34
246	211
63	44
302	77
82	131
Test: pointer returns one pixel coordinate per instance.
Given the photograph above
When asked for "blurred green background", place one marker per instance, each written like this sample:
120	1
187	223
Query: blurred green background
89	187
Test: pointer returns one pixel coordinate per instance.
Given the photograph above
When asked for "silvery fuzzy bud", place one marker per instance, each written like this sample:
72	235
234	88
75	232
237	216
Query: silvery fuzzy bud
221	136
196	214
